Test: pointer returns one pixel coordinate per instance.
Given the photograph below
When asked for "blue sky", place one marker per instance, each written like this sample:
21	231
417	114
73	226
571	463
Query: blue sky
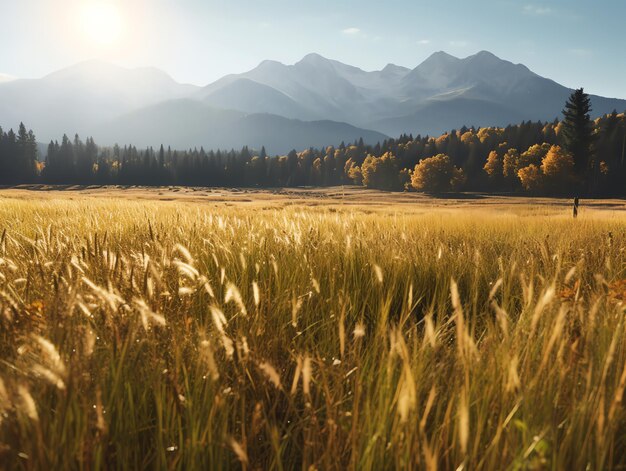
575	42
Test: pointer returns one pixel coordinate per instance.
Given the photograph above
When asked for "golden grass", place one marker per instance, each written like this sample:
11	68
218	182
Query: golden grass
138	334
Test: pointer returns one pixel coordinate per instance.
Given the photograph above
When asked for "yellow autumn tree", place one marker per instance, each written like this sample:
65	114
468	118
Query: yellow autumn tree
352	152
558	163
381	172
494	165
489	136
353	171
316	171
534	155
437	174
510	163
531	177
558	169
442	140
469	138
529	167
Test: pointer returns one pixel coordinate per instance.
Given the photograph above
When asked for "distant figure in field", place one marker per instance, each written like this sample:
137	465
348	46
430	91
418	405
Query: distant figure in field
576	207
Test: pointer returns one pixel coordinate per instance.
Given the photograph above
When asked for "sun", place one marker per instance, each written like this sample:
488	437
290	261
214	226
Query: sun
102	22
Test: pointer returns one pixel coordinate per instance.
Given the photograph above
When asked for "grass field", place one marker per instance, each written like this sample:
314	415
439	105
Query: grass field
311	330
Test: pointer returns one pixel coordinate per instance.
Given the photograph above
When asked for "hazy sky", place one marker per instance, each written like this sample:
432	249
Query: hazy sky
575	42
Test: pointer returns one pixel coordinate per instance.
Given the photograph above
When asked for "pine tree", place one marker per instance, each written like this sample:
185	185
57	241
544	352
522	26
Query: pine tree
25	163
50	163
10	151
577	131
161	158
4	158
66	162
262	178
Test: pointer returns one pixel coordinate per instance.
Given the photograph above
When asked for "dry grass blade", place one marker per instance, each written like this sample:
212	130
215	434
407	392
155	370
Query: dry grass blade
239	451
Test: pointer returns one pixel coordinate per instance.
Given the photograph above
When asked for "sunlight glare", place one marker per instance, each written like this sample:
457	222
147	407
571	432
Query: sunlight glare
102	22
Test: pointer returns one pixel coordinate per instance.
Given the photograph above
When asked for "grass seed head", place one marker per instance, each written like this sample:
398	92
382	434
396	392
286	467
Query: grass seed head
28	406
271	374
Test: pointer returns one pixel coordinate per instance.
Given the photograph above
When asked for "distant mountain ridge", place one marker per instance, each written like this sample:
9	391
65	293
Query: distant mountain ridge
264	105
429	99
80	98
190	123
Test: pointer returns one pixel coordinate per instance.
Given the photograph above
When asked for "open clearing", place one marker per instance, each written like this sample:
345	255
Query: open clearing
181	328
348	197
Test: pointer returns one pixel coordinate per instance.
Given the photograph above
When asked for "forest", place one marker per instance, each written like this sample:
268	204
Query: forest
571	156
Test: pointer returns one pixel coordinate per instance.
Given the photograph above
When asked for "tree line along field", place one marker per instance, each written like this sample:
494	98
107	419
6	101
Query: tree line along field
176	335
574	156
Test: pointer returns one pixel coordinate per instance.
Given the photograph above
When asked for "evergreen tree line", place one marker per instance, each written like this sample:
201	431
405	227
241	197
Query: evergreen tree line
572	156
18	156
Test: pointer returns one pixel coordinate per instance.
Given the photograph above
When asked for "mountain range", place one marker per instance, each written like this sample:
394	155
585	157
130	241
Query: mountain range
314	102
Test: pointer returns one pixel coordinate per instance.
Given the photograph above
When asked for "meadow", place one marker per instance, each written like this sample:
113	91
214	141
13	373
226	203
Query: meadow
302	334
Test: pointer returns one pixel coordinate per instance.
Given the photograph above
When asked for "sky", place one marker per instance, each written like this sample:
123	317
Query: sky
578	43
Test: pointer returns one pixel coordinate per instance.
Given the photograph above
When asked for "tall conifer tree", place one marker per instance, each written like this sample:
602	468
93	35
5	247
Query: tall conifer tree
578	131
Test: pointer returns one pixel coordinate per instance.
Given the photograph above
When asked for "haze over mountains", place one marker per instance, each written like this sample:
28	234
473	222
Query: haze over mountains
6	78
314	102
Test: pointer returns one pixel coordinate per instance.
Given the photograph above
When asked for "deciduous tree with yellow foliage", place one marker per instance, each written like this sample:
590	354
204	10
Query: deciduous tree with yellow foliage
436	175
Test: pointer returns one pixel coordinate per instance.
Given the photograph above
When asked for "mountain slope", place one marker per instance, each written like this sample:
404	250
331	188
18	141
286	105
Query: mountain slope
436	116
443	92
323	88
187	123
433	97
252	97
81	97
